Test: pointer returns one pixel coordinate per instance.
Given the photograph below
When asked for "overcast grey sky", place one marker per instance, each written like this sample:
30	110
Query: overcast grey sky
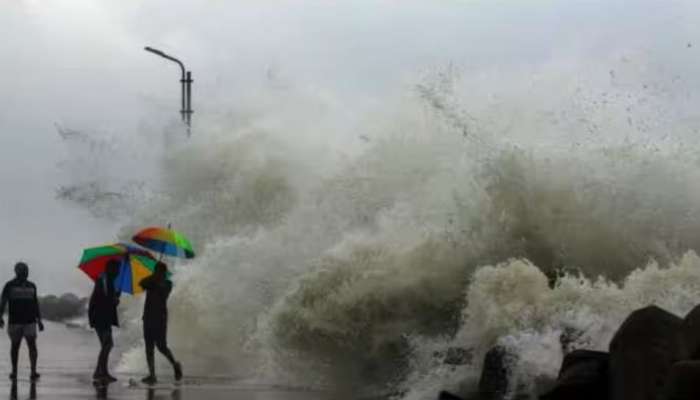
80	63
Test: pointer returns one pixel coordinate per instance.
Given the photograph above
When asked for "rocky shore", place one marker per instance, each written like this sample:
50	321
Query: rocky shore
653	355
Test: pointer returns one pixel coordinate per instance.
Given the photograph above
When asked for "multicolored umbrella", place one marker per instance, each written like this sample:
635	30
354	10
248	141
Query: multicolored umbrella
165	241
136	264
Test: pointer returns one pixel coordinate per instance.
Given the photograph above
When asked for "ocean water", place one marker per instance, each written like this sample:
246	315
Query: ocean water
347	247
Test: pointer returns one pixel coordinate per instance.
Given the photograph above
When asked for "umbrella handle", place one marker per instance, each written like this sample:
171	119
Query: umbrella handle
160	258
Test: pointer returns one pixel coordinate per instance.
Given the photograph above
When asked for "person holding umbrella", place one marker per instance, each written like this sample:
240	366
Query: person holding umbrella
115	268
102	313
24	317
155	321
158	287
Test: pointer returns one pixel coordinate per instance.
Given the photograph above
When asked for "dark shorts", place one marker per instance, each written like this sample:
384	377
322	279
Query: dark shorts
18	331
155	331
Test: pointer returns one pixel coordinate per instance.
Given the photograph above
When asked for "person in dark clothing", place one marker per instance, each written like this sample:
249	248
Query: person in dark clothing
24	317
155	320
102	313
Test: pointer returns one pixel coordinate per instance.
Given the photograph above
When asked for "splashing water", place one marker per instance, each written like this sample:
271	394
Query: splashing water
355	255
511	305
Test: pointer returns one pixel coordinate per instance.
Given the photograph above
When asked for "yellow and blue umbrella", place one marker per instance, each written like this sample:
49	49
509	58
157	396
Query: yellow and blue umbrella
136	264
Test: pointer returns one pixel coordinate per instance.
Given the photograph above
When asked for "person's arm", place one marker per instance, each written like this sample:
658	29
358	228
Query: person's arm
3	303
147	282
37	310
93	304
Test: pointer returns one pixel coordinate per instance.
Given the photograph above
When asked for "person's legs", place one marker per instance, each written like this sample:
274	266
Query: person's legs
106	344
15	334
30	336
98	370
14	355
98	366
33	355
162	344
164	350
150	356
150	360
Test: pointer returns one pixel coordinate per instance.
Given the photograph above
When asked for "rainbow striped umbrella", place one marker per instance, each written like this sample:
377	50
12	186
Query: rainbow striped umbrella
165	241
136	264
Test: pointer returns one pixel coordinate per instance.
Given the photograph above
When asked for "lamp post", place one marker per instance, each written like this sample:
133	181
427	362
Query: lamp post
186	83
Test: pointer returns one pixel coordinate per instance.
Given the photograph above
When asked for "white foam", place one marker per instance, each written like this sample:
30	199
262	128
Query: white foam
511	305
326	257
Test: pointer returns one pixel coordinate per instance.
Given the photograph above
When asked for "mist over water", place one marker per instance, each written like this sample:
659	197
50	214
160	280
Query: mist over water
339	246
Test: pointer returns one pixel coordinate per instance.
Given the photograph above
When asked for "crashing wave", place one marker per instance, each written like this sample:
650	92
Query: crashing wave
356	256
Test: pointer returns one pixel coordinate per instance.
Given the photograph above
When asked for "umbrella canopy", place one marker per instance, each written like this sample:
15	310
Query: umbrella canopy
165	241
136	264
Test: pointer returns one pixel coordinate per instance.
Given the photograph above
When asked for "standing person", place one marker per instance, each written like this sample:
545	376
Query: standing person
24	316
102	313
155	321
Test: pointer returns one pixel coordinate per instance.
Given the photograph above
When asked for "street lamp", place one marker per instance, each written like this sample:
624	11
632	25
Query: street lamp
186	81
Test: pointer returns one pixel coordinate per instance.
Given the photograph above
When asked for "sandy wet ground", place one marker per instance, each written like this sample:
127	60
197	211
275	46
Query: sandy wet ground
66	361
57	386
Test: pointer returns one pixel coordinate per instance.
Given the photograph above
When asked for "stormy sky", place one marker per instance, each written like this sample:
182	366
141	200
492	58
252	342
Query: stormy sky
81	64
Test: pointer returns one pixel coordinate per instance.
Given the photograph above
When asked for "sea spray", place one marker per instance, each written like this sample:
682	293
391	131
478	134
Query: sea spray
529	319
346	256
